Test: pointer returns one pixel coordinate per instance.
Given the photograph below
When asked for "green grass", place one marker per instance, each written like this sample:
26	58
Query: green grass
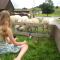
42	49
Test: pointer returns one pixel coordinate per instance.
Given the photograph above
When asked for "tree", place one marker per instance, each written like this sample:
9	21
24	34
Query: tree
57	7
50	2
47	8
34	10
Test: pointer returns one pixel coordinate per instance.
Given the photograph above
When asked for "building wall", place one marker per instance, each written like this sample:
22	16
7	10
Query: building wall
9	6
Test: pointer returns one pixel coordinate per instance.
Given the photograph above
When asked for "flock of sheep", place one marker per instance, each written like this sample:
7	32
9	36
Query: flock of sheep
23	23
24	19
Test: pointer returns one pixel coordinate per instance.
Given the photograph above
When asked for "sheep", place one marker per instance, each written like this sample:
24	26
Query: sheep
24	20
16	26
21	28
45	23
33	23
15	18
35	20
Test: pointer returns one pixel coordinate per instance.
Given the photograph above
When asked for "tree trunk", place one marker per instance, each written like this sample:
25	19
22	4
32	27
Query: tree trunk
47	14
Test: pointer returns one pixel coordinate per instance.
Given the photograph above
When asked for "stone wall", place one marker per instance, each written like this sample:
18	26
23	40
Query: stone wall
57	37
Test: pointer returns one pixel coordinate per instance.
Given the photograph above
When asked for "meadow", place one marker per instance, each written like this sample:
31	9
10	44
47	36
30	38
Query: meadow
56	13
42	49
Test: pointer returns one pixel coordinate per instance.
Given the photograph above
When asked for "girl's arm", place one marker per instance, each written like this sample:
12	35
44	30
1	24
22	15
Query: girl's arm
10	35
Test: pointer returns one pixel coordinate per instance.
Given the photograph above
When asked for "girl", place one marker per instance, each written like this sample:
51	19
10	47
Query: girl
6	31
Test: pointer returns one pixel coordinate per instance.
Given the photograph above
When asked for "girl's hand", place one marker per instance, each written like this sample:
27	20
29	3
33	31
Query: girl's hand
16	38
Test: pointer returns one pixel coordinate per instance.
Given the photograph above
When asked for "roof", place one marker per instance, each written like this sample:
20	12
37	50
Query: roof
3	4
21	10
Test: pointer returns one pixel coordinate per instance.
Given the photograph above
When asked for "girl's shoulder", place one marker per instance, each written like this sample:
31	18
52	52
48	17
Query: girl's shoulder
9	30
0	27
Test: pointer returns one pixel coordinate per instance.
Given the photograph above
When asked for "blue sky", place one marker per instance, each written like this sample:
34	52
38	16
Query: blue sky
30	4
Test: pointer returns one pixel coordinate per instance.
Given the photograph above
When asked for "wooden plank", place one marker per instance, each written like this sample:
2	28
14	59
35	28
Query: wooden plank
34	34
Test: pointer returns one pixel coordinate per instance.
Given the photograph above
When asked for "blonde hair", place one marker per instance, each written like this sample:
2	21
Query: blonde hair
3	15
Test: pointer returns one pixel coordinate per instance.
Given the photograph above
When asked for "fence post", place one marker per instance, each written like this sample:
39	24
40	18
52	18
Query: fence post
53	30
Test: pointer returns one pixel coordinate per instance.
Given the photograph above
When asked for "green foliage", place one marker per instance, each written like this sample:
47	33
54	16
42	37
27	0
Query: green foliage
57	7
47	8
55	13
50	2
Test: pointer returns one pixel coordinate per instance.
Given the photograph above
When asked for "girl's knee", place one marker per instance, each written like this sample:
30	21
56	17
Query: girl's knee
26	45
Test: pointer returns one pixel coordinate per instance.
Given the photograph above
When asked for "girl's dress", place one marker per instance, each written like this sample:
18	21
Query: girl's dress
7	48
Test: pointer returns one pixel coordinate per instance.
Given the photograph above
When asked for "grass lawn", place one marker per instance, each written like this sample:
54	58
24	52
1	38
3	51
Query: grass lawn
56	13
44	49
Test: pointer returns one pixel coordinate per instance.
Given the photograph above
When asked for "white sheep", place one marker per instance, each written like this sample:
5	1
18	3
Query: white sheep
21	28
35	20
24	19
45	20
45	23
16	26
15	18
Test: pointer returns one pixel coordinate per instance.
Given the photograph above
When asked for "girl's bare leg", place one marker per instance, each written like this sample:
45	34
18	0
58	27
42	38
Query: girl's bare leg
22	52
